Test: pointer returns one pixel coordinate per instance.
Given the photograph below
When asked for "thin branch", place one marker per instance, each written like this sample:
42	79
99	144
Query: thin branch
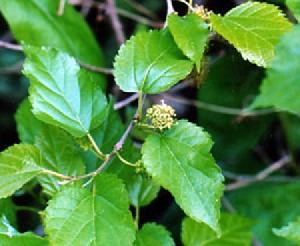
242	182
226	203
142	9
107	71
124	160
277	179
118	146
140	19
85	7
131	16
182	85
61	7
13	69
26	208
135	96
56	174
140	105
126	101
137	217
115	21
96	148
220	109
170	8
10	46
120	143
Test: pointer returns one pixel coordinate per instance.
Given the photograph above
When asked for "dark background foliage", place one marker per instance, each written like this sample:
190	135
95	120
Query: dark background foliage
243	145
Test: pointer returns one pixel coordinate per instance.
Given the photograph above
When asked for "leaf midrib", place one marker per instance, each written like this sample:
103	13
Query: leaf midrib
150	67
186	176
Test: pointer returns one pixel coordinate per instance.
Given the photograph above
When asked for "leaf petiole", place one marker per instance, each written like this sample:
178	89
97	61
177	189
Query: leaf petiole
98	152
137	216
125	161
140	106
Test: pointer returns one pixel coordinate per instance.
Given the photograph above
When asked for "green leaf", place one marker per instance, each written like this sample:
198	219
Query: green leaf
25	239
294	5
28	126
179	160
100	217
236	230
291	231
281	86
18	164
45	28
142	191
61	94
8	209
9	236
254	29
149	63
270	206
61	155
191	35
5	227
152	234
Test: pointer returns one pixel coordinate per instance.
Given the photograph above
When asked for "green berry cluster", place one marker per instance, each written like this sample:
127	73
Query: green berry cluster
84	144
140	168
162	116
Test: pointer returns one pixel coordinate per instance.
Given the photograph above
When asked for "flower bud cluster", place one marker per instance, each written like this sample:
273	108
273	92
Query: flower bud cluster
161	116
202	12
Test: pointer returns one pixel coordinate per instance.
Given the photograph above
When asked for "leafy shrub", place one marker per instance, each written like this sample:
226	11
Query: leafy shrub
85	167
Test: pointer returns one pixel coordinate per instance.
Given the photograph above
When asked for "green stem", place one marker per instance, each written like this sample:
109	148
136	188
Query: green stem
26	208
99	153
125	161
140	106
187	4
146	126
56	174
61	7
137	216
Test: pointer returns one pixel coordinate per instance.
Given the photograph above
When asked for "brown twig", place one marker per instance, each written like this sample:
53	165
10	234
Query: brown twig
220	109
142	9
118	146
226	203
85	7
140	19
126	101
242	182
135	96
107	71
115	21
10	46
13	69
